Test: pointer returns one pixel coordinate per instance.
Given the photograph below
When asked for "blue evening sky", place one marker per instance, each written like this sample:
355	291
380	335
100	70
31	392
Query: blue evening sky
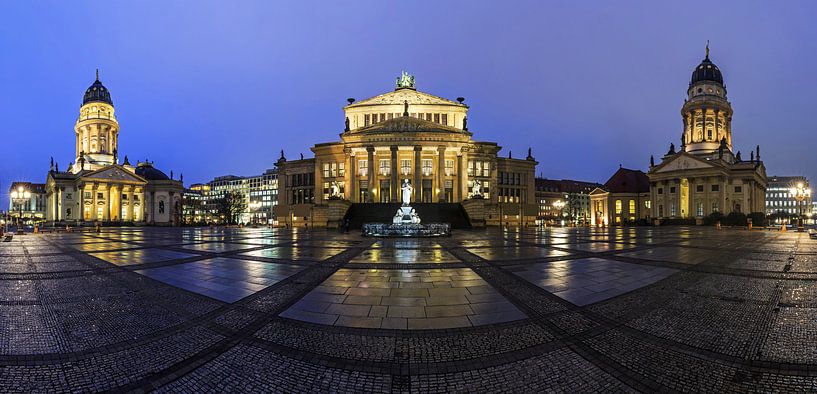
212	88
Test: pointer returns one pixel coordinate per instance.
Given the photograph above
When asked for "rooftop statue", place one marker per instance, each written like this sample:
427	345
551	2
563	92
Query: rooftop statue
405	80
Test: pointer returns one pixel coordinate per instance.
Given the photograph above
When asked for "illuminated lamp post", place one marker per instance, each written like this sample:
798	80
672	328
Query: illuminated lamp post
800	193
20	196
559	205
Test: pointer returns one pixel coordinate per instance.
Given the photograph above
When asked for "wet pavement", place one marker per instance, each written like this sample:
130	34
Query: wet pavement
193	310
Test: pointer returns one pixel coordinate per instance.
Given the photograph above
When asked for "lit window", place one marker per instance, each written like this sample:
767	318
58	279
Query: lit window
363	166
384	167
426	167
618	207
632	207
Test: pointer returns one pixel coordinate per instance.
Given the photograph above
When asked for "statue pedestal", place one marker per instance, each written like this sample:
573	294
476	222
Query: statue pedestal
406	215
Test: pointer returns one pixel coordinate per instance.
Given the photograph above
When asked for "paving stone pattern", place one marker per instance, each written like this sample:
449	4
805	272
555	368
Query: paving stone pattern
267	310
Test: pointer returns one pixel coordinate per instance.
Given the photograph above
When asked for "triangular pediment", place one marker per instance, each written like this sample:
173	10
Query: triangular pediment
400	96
598	191
681	162
113	173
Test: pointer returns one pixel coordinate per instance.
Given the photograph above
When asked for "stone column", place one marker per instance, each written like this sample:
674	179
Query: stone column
463	170
371	171
417	172
460	176
686	129
395	184
153	207
717	130
692	126
351	195
441	173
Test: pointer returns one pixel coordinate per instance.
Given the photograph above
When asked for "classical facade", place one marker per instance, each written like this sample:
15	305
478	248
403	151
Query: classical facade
95	187
704	176
406	135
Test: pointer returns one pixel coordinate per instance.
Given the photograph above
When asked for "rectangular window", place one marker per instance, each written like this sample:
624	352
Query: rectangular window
486	168
124	197
365	120
700	209
427	166
470	168
428	117
632	207
699	188
660	210
363	166
87	195
648	204
436	118
449	167
385	167
715	188
618	207
326	170
444	119
672	189
405	167
382	117
660	190
738	189
100	196
672	209
342	169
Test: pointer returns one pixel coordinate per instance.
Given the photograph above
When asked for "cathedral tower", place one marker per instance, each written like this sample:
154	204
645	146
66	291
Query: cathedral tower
97	131
707	113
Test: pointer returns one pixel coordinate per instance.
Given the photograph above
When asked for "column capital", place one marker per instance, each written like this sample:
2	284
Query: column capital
418	148
370	148
393	148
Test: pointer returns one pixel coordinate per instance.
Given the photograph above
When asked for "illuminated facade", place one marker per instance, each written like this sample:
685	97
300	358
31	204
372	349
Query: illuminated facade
704	176
31	208
623	199
779	197
96	188
406	135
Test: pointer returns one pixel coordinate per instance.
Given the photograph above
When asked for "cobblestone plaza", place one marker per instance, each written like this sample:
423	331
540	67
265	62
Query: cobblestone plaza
192	310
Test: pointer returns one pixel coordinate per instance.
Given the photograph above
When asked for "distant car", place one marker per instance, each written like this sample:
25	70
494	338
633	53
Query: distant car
812	233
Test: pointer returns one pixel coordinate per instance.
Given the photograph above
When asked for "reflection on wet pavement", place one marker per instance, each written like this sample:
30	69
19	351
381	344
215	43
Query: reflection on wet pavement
224	279
404	299
141	256
585	281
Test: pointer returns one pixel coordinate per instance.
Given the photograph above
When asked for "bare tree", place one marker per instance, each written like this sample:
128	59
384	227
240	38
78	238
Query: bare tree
231	206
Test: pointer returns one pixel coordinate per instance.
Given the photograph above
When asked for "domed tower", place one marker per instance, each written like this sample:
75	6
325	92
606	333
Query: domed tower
707	113
97	130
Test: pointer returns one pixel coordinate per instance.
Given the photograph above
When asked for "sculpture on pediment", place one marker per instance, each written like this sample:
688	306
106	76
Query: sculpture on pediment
405	80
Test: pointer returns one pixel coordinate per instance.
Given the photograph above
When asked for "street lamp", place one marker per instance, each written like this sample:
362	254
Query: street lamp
19	197
559	205
800	193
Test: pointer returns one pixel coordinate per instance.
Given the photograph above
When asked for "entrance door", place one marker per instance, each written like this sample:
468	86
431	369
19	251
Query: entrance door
363	193
428	196
684	198
385	190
